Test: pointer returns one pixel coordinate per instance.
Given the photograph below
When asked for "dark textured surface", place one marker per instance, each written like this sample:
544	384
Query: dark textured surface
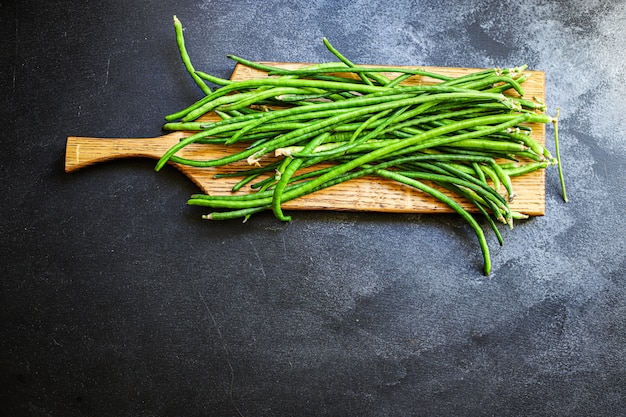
117	299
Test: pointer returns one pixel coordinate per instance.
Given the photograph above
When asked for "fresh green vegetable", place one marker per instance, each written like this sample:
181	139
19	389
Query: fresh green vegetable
336	121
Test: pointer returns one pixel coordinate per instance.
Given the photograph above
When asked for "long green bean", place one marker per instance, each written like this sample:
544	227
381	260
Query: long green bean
185	56
328	123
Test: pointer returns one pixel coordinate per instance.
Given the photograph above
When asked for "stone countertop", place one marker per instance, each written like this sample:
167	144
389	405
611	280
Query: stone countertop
118	299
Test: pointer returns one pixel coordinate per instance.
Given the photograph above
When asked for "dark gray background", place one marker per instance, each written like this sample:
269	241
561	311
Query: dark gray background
118	299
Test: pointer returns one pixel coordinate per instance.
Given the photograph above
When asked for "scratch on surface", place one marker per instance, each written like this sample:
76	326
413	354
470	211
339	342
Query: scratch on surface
106	77
228	362
258	257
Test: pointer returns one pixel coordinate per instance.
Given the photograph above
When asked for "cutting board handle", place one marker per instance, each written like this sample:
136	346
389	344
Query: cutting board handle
84	151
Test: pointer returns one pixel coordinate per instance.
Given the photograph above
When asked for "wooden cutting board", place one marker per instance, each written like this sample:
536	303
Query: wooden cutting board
364	194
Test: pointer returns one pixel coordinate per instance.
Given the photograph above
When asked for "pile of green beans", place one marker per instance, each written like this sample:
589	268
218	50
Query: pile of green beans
336	121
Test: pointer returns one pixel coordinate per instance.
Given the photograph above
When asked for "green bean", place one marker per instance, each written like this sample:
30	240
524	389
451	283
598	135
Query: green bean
488	81
399	79
450	168
366	124
228	215
311	130
479	172
381	79
278	82
427	118
185	57
478	203
492	176
371	156
223	115
353	142
488	197
269	68
457	134
359	69
555	122
212	78
250	99
252	171
431	141
287	173
505	86
452	204
469	77
526	168
320	111
494	145
244	181
484	152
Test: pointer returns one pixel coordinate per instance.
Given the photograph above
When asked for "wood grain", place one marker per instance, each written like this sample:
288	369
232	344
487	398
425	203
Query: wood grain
364	194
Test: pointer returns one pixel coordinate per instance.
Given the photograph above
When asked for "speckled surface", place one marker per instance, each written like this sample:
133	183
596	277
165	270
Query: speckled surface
117	299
